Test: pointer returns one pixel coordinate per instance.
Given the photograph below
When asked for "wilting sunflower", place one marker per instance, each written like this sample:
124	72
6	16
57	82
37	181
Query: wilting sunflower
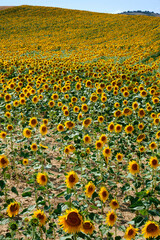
114	204
118	128
98	144
103	194
119	157
130	232
71	179
71	148
43	129
60	127
133	167
71	221
87	227
13	209
129	129
33	122
150	229
153	145
27	132
87	122
34	147
42	178
111	218
154	162
87	139
3	161
41	217
90	188
107	152
25	161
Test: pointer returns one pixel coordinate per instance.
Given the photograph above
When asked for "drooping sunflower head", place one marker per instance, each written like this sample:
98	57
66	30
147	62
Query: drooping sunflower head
41	217
151	229
133	167
72	221
88	227
42	178
13	209
71	179
103	194
90	188
130	232
111	218
3	161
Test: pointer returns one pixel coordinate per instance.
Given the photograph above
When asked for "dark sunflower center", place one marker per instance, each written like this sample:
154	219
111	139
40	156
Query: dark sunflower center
130	232
60	127
103	139
87	225
99	144
129	128
112	217
73	219
71	178
118	128
111	127
119	157
43	178
87	121
151	228
90	189
33	121
70	124
104	194
3	160
134	167
14	207
40	216
107	150
154	162
43	129
114	203
28	132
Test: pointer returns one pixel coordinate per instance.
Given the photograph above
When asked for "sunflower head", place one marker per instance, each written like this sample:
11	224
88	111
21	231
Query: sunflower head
130	232
88	227
90	188
25	161
107	152
40	216
3	161
114	204
42	178
133	167
13	209
71	179
98	144
111	218
154	162
33	122
103	194
119	157
43	129
151	229
27	133
87	139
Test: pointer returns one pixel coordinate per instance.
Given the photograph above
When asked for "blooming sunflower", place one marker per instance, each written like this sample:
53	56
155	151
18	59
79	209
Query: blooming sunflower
107	152
111	127
118	128
129	129
158	135
25	161
69	124
119	157
27	133
71	179
87	139
84	108
103	138
43	129
103	194
71	221
87	122
42	178
133	167
153	145
3	161
150	229
100	119
60	127
135	105
130	232
99	144
33	122
90	188
9	127
114	204
111	218
153	162
3	134
41	217
87	227
141	113
13	209
34	147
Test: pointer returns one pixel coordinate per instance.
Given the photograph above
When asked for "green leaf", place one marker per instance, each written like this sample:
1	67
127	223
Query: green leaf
26	194
14	190
2	184
61	194
68	196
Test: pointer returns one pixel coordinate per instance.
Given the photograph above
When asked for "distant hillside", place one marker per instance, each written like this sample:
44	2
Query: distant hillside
146	13
5	7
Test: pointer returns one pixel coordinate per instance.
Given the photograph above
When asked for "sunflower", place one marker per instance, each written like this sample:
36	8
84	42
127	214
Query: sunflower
3	135
130	232
8	114
35	99
84	108
129	129
83	99
118	113
27	133
87	139
7	97
8	106
66	113
41	217
60	127
154	162
119	157
33	122
71	221
155	100
69	124
98	144
71	179
16	103
100	119
90	188
116	105
3	161
140	126
158	135
103	194
135	105
153	145
87	227
111	127
118	128
88	150
111	218
43	129
114	204
133	167
141	137
87	122
125	102
94	98
143	93
103	138
34	147
141	113
107	152
25	161
22	101
45	121
142	149
151	230
13	209
126	94
76	109
156	121
42	178
71	148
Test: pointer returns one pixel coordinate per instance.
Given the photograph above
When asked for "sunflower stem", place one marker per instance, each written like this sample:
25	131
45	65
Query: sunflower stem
75	236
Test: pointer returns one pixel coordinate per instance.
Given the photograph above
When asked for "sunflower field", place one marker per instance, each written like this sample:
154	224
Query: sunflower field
79	125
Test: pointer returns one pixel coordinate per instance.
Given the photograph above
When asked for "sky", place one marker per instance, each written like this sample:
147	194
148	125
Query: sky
105	6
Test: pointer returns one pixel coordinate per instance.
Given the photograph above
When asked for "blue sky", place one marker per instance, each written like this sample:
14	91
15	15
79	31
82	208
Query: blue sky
106	6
